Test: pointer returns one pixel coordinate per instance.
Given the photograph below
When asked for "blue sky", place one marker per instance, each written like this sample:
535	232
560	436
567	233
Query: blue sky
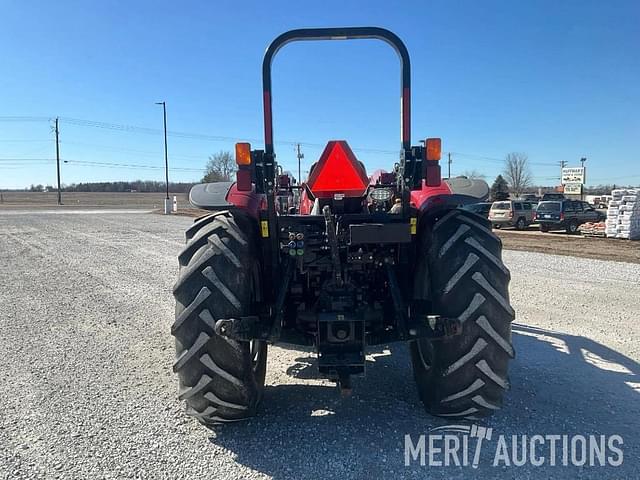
556	80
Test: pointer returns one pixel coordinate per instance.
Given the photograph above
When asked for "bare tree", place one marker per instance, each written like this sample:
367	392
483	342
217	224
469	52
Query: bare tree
220	167
517	172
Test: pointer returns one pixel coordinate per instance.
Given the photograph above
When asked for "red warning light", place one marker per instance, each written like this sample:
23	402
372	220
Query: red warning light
338	172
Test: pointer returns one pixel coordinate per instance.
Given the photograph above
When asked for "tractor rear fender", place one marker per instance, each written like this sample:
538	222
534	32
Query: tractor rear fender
439	202
452	192
226	196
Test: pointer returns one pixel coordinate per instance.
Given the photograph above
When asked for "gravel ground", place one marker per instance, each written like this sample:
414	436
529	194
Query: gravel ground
71	200
86	388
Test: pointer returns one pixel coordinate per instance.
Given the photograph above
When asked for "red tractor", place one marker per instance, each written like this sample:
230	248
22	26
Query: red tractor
341	262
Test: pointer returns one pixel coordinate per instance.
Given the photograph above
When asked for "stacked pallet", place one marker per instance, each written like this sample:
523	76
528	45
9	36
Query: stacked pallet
613	210
623	214
593	229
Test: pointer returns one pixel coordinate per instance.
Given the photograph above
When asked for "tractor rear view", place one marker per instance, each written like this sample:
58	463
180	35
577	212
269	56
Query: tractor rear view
341	262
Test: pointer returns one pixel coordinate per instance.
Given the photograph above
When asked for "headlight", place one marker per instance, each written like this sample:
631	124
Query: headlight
380	195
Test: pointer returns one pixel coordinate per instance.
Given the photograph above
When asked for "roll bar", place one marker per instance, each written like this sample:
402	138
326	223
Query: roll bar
343	33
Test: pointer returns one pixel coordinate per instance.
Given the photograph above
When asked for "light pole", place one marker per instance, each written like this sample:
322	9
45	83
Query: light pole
166	155
58	160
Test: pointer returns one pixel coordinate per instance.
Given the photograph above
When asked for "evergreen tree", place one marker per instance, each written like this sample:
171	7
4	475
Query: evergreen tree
499	189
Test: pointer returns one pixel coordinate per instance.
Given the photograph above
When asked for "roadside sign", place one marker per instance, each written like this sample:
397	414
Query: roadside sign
573	188
572	175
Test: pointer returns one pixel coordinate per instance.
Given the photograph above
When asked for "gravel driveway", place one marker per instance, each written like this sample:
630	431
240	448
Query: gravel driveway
87	391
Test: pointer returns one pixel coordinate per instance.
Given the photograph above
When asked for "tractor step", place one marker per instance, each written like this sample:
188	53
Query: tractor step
243	329
435	327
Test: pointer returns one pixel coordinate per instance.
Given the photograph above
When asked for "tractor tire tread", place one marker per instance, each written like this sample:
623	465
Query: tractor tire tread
465	375
217	378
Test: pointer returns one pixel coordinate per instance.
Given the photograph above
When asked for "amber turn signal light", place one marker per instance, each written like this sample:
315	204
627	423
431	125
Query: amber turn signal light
243	153
433	149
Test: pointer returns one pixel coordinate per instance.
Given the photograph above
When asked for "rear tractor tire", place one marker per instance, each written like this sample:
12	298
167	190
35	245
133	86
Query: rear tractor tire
220	379
463	275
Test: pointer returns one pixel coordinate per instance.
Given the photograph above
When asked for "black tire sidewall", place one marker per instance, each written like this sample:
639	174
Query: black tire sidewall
433	383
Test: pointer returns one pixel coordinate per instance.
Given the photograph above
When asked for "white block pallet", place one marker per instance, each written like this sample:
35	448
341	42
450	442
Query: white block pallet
623	214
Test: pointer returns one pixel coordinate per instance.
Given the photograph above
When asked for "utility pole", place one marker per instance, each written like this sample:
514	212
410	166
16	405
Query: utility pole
58	160
449	164
584	177
166	155
300	157
563	164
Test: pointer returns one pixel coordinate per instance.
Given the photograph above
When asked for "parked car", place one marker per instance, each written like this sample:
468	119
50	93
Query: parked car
529	197
511	213
481	208
601	202
565	214
552	196
598	201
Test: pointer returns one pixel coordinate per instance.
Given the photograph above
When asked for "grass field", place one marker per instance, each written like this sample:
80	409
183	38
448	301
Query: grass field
89	199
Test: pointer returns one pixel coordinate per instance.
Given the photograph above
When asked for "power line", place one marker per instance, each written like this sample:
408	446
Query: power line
25	140
222	138
25	159
500	160
19	167
24	119
148	131
129	165
617	178
199	136
133	150
16	166
30	162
